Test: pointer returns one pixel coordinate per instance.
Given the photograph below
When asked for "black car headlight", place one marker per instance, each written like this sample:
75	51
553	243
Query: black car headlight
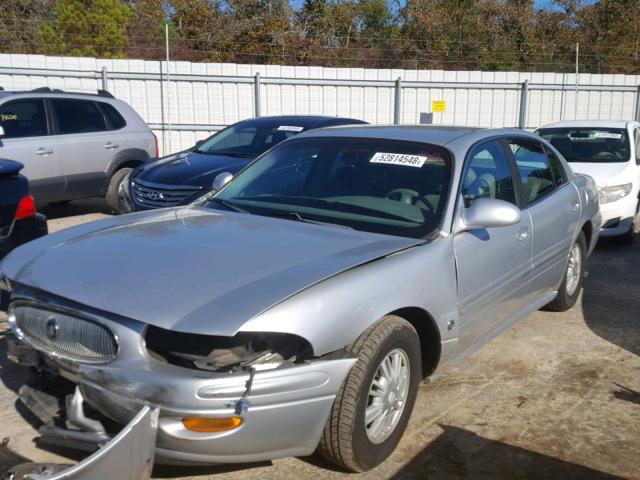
260	351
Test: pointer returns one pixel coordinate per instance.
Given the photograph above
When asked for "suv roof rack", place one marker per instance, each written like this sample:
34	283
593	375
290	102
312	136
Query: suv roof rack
99	93
45	90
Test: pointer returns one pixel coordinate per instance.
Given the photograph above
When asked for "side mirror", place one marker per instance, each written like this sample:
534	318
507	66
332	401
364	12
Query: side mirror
199	142
221	180
2	131
489	213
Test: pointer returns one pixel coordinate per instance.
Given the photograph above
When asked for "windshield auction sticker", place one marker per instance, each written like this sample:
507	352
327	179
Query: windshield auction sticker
290	128
617	136
399	159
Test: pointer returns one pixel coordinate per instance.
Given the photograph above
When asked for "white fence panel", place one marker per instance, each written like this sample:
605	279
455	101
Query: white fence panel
202	98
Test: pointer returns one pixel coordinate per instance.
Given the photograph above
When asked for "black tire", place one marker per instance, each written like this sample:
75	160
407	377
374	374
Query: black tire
344	441
629	237
563	300
111	197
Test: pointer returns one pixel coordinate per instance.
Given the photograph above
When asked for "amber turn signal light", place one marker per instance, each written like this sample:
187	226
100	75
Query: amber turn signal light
210	425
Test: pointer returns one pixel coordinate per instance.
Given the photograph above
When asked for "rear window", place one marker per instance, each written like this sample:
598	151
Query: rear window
114	119
78	116
593	145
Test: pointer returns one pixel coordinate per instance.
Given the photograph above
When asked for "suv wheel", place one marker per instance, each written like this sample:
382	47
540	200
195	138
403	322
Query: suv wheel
111	196
373	406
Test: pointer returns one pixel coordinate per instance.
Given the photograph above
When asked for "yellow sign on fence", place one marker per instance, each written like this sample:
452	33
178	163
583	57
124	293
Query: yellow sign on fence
438	106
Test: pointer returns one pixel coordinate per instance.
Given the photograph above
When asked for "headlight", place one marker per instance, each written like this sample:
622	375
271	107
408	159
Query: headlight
612	194
262	351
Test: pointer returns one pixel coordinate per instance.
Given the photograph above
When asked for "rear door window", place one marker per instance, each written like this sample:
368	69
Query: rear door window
77	116
637	141
115	121
534	168
23	118
557	168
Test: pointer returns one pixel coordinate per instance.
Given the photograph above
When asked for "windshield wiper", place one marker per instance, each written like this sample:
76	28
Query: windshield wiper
296	216
229	205
228	154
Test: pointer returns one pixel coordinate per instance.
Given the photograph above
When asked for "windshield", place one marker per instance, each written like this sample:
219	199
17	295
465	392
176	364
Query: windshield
597	145
248	140
383	186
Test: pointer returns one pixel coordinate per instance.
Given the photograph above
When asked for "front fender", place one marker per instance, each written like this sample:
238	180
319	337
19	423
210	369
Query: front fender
334	312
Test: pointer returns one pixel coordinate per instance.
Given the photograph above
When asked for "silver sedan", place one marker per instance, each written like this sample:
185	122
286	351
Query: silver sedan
299	307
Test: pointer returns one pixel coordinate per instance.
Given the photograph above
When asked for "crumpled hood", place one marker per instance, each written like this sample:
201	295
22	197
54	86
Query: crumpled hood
192	269
188	168
604	174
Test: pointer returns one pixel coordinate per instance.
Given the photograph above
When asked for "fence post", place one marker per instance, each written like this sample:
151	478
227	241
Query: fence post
638	104
397	102
104	79
524	92
256	94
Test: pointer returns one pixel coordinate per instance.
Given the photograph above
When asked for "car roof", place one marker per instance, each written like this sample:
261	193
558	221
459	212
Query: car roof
306	121
588	124
436	135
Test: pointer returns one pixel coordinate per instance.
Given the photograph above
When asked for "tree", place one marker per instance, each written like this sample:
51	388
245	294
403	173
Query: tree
87	28
145	30
20	21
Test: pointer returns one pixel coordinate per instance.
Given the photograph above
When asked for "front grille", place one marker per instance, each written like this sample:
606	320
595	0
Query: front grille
65	335
153	195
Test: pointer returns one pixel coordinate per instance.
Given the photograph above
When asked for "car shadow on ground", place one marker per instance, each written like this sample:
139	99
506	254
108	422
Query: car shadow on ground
77	207
461	454
611	295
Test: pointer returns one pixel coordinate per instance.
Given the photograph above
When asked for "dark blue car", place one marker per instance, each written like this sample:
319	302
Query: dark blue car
19	222
179	178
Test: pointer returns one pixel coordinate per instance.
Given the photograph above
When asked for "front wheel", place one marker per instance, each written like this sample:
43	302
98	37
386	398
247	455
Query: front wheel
373	406
112	198
574	276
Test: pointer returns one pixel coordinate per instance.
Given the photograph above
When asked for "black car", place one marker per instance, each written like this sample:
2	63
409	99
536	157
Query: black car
19	222
184	176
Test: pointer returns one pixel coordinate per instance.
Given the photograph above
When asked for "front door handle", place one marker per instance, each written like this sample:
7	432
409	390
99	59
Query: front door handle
110	146
43	151
575	207
523	234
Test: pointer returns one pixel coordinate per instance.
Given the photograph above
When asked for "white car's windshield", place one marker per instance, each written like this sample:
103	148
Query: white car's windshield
595	145
384	186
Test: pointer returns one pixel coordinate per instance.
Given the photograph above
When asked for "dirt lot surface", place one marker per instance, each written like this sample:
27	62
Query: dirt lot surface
557	396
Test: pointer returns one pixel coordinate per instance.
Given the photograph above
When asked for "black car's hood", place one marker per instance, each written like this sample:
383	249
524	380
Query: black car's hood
192	269
188	168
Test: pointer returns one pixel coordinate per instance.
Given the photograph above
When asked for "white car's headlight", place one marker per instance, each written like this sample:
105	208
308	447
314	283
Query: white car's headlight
616	192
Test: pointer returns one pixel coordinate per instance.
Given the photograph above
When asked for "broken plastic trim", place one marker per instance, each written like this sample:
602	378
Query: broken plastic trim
244	351
128	456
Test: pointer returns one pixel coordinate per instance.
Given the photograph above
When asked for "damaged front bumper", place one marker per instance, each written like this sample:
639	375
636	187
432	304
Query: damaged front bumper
128	456
283	411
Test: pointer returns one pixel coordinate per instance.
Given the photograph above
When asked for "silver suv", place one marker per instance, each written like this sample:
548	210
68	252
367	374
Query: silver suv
73	145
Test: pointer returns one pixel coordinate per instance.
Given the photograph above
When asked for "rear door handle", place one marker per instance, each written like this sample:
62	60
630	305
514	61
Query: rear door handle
575	207
523	234
110	146
43	151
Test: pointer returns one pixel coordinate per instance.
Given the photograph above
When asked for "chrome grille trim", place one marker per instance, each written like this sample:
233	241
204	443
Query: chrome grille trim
71	337
157	196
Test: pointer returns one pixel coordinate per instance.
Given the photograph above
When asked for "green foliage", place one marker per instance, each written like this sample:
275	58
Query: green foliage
437	34
87	28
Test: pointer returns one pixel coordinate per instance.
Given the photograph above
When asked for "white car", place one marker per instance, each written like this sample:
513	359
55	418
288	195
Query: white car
608	151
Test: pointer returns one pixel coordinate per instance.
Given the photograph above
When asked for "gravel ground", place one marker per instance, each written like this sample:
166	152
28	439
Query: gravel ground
557	396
